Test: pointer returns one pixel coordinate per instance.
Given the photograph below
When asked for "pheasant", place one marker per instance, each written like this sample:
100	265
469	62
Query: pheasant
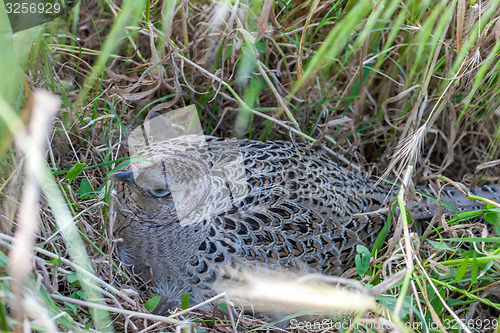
192	212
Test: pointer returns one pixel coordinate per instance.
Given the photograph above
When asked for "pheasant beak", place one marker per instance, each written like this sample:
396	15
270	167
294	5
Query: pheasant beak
123	176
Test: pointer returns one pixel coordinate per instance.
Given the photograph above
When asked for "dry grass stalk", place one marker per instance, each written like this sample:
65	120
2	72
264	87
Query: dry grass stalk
32	142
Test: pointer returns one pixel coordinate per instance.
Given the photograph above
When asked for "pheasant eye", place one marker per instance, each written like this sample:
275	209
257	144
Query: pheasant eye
159	192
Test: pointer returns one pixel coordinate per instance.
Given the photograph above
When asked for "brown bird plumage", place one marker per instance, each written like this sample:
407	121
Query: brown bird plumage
192	213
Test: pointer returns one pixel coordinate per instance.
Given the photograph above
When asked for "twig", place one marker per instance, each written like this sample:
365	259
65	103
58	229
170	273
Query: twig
164	319
280	99
408	249
4	240
466	192
32	142
183	312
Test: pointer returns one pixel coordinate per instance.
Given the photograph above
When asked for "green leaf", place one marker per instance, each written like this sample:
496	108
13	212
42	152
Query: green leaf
4	260
466	216
223	306
80	294
454	302
75	295
407	307
492	216
56	261
185	300
261	46
487	267
85	189
439	245
362	259
152	303
73	307
462	269
379	242
72	277
74	171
